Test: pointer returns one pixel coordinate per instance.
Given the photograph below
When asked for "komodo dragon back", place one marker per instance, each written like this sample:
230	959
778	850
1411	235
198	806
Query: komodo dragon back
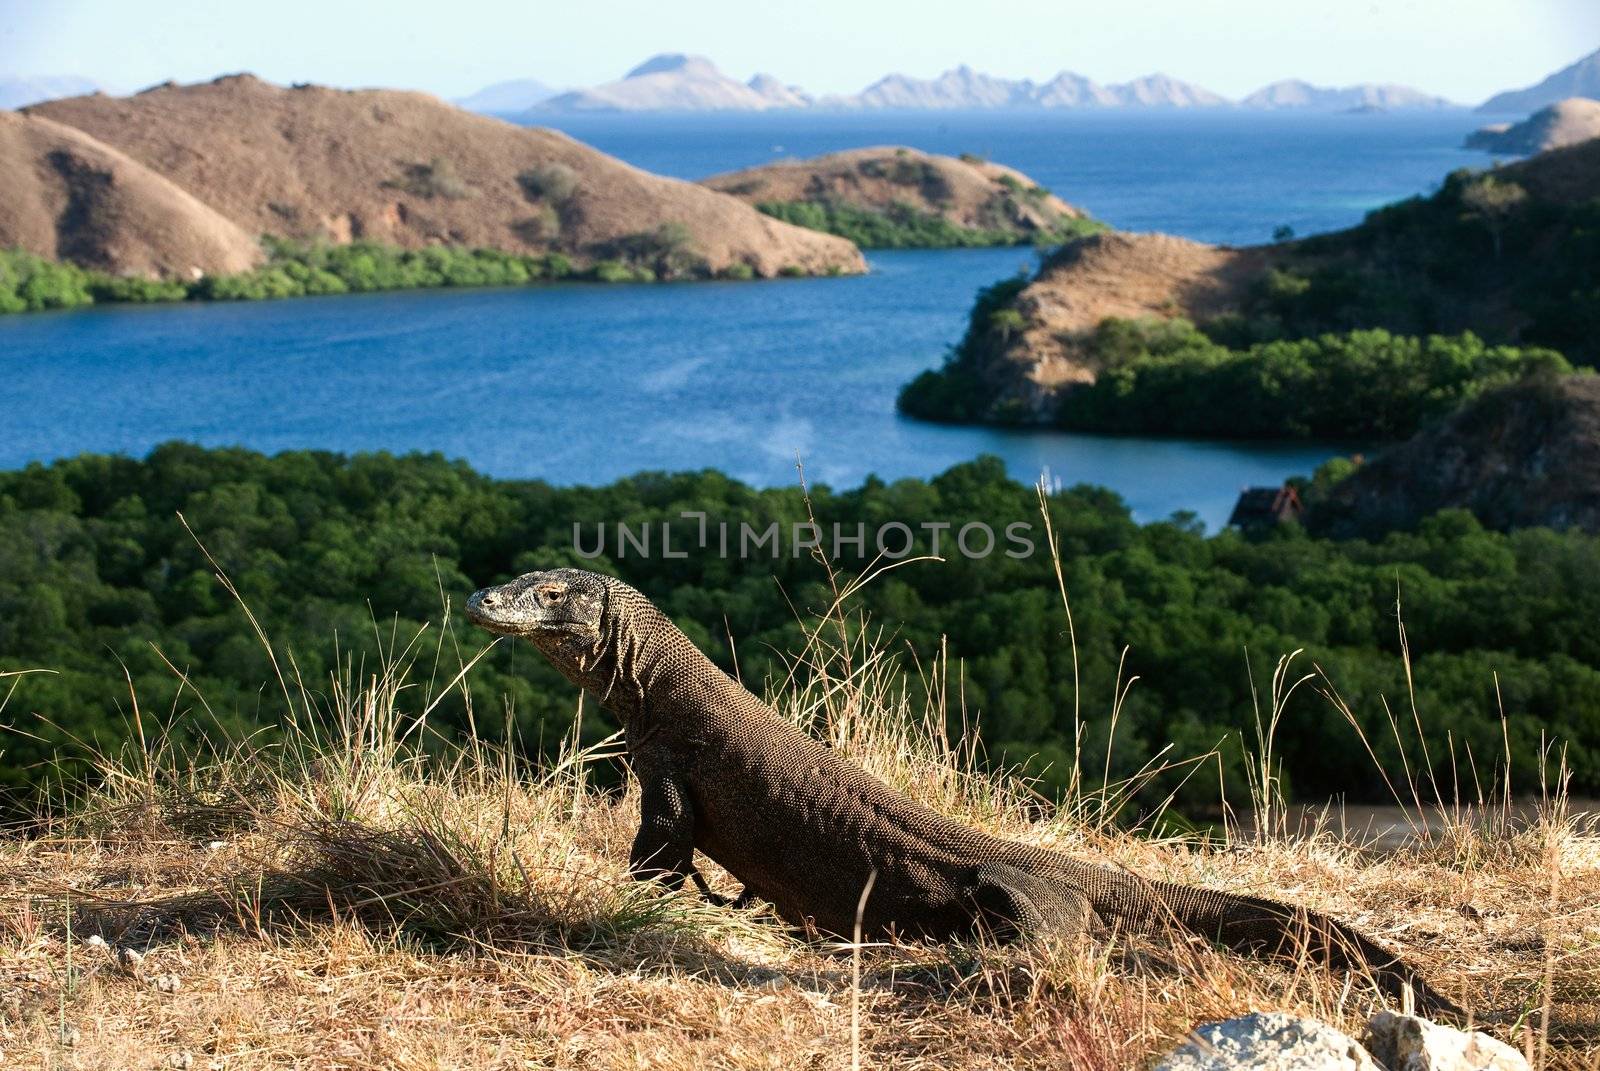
807	830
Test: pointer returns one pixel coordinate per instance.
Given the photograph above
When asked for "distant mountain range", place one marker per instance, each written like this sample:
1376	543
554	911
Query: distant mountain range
675	82
1580	79
964	87
1293	93
20	92
507	98
679	82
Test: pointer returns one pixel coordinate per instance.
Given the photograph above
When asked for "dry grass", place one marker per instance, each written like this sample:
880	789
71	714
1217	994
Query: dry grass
340	902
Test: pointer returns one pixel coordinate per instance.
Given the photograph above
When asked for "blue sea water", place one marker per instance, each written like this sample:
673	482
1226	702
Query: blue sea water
584	383
1214	175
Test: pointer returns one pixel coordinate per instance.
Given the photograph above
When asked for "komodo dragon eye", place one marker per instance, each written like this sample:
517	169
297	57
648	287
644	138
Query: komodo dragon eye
551	594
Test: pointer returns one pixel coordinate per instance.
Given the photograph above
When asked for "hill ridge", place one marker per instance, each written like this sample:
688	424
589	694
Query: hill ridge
1581	78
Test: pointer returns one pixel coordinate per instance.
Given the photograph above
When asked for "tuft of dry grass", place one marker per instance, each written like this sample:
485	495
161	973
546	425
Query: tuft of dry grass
346	900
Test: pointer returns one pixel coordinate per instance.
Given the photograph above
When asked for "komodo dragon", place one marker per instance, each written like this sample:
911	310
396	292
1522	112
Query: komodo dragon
805	829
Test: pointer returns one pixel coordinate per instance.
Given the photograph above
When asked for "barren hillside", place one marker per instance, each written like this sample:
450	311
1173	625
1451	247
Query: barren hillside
69	197
1122	275
408	169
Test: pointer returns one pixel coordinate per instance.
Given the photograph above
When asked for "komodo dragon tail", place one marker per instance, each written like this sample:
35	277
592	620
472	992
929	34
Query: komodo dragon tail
1256	925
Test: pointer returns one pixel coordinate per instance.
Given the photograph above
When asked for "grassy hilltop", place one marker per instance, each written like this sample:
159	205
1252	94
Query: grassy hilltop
340	900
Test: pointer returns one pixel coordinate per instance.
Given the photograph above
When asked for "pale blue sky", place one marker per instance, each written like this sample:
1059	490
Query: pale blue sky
1463	49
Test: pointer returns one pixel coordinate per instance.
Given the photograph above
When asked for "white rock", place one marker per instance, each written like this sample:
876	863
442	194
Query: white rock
95	941
130	957
1410	1043
1268	1041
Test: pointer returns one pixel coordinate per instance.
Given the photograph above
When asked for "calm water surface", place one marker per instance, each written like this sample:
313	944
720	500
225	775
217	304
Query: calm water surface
583	383
1216	176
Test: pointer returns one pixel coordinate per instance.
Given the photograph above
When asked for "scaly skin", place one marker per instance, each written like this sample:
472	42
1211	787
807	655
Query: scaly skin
805	829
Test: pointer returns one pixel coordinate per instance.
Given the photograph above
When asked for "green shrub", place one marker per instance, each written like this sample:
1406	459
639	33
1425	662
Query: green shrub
616	271
31	283
1483	252
553	183
295	268
906	227
1168	378
436	178
111	288
951	394
663	253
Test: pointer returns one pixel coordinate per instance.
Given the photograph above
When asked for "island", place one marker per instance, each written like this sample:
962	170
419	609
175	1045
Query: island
679	82
896	197
1367	333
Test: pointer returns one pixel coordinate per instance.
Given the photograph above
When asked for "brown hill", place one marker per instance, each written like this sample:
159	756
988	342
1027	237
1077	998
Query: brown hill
1524	456
69	197
410	170
1127	276
969	193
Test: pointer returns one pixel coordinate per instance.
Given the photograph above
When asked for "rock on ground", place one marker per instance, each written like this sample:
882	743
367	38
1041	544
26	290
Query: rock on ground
1268	1041
1409	1043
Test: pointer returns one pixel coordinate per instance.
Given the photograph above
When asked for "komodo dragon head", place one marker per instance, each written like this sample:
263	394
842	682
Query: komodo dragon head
599	632
553	604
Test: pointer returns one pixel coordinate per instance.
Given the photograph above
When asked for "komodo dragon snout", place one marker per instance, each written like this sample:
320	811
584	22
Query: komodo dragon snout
828	845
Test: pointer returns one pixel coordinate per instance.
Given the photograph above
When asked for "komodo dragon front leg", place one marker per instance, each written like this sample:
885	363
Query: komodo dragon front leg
663	849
